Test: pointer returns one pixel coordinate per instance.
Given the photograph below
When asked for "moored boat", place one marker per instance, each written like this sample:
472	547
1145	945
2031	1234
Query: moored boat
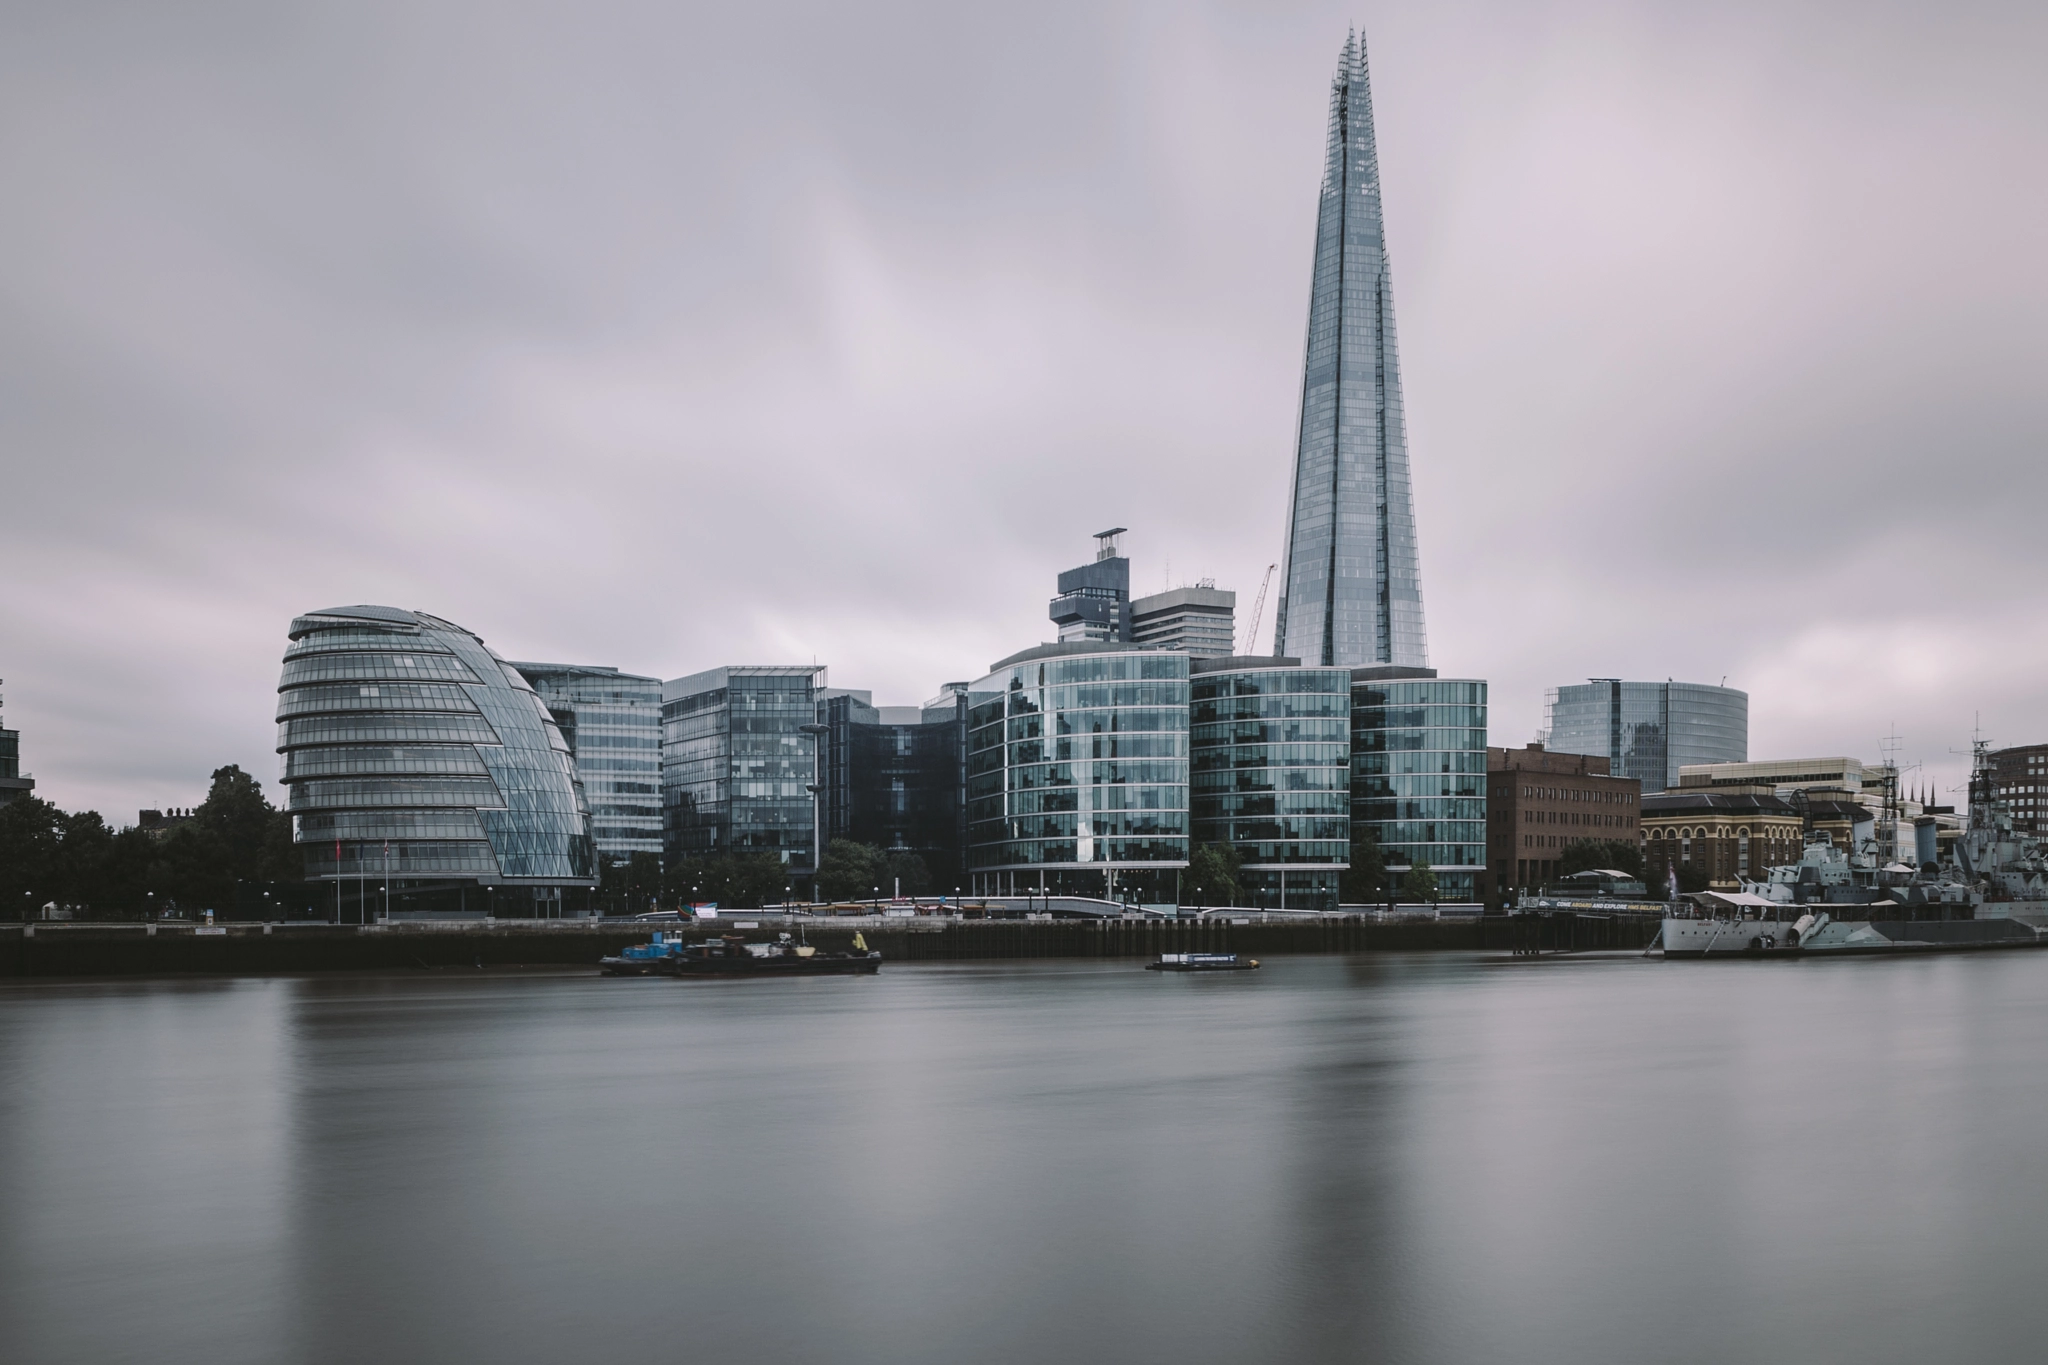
644	959
1202	962
732	955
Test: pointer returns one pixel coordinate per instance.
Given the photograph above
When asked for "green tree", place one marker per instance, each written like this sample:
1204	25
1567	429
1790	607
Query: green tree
1365	881
1211	878
31	843
1419	885
740	881
1691	878
1584	855
901	867
850	871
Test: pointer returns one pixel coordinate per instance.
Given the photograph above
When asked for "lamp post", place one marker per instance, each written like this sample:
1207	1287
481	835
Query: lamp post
817	789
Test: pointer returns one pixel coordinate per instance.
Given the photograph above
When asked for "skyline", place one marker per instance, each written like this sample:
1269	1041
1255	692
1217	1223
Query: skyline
828	382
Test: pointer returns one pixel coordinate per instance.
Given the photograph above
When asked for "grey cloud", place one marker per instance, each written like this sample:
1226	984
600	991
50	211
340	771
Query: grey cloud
669	336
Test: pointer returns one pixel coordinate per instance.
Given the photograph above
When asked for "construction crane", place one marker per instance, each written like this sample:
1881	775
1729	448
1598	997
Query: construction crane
1259	610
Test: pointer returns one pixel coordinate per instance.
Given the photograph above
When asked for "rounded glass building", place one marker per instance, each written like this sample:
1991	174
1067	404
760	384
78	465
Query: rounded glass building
1270	746
1077	773
417	757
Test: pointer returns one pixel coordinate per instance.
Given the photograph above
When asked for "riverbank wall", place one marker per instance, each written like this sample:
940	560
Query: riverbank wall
97	950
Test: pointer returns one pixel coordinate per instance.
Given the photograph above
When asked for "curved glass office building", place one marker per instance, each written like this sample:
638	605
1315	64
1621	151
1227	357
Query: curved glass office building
413	753
1418	756
1270	759
1077	773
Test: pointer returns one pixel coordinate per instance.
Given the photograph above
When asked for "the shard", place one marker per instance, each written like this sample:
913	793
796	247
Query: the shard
1351	593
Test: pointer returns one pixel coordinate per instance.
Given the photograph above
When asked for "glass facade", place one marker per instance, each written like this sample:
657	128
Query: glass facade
1077	774
736	763
1351	586
1270	775
1418	765
412	751
612	722
1649	731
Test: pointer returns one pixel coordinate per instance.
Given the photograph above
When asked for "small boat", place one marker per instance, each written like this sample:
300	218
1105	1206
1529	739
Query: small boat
732	955
644	959
1202	962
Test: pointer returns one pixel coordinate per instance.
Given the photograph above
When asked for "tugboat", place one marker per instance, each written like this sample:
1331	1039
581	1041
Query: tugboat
1202	962
732	955
644	959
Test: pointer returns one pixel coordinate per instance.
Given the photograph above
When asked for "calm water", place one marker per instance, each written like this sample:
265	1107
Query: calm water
1388	1159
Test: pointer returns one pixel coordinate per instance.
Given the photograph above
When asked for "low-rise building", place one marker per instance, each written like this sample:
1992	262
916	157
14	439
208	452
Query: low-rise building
1538	803
13	784
1725	837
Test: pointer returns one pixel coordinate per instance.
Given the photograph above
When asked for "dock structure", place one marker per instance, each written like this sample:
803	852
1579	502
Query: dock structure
250	949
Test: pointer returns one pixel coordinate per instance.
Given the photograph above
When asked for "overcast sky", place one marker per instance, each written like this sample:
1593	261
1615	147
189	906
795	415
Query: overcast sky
666	337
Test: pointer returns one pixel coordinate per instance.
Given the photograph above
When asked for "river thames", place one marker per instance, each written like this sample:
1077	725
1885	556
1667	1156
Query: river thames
1389	1159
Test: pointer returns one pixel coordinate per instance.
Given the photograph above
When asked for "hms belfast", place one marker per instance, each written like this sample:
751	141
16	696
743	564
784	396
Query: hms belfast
1989	891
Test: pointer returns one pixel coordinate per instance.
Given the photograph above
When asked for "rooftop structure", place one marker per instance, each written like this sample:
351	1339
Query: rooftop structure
1201	620
1095	599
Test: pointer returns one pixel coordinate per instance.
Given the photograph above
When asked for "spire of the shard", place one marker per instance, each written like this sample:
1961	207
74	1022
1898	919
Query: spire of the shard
1352	591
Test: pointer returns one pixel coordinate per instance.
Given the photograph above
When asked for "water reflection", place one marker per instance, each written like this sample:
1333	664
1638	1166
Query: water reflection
1393	1159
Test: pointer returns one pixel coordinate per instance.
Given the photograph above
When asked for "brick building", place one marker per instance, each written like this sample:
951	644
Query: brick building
1537	802
1725	836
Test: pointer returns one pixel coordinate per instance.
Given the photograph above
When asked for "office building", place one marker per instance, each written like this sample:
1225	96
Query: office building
1201	620
738	763
2019	778
1539	803
1077	773
1095	600
13	783
1351	584
1270	774
612	723
414	753
1783	776
1725	837
893	776
1648	731
1418	772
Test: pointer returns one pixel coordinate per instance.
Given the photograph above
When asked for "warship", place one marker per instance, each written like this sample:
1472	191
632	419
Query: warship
1989	891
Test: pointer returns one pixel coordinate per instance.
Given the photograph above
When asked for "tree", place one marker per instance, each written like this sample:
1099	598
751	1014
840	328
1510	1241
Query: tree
1420	883
1211	878
1365	881
1691	878
1584	855
850	871
901	867
743	881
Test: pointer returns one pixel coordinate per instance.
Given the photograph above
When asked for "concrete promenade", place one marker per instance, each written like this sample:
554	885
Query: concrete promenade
57	949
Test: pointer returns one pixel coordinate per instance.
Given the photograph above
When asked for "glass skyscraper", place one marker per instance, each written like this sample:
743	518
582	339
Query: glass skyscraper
1418	762
1270	759
415	753
612	722
1351	589
1077	773
1648	731
737	765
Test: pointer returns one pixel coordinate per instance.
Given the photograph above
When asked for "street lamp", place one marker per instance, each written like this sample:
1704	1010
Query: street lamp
816	788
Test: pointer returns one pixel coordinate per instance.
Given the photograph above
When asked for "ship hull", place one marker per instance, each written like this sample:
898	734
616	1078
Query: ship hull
1749	938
